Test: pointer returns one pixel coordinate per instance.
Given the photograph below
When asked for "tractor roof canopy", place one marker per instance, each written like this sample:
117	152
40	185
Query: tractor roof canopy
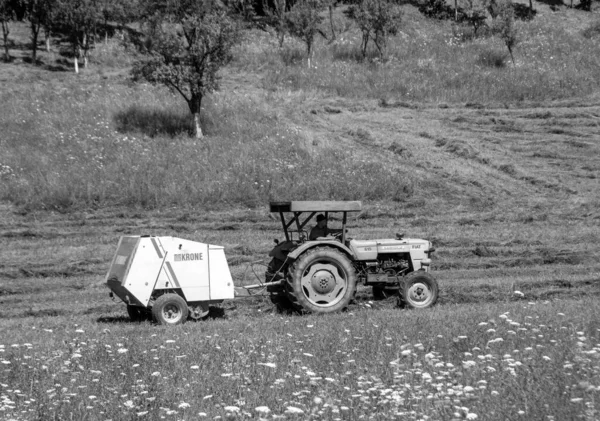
316	206
298	207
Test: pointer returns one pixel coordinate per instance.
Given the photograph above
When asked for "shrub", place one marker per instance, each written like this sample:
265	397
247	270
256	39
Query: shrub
592	31
492	58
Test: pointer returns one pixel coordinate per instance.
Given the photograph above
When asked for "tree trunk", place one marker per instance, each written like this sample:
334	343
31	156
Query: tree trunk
195	104
47	41
76	65
35	30
5	32
455	10
331	22
197	127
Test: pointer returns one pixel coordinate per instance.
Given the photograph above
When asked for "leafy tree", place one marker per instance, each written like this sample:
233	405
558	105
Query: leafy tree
7	14
474	13
303	21
377	20
188	43
118	12
276	16
78	19
37	12
505	28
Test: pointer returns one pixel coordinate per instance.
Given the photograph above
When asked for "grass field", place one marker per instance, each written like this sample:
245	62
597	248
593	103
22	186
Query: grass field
502	177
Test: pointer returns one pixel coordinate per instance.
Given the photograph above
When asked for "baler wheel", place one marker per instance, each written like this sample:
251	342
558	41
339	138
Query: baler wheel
419	290
170	309
322	280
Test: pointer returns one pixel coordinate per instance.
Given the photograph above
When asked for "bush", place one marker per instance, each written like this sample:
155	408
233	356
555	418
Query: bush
153	121
592	31
492	58
436	9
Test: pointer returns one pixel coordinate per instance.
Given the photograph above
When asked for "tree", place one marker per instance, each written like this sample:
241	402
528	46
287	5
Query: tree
188	43
377	20
37	13
475	13
277	17
7	14
505	28
304	20
78	19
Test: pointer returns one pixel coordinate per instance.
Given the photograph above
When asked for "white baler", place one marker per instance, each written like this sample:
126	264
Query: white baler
169	277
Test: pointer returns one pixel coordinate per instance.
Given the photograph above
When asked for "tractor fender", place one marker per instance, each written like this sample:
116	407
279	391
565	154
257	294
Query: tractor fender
293	255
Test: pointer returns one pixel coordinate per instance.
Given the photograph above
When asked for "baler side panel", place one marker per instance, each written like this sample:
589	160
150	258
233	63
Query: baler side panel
145	269
187	266
221	283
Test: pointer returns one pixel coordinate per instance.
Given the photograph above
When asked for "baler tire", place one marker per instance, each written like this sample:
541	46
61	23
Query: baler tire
136	314
322	280
170	309
419	290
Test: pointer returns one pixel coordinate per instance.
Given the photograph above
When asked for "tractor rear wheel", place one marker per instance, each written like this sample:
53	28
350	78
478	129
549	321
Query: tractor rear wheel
419	290
170	309
322	280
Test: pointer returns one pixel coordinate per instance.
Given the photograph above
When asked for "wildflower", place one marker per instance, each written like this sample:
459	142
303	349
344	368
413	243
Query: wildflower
292	410
141	414
122	350
471	416
232	408
264	410
270	365
183	405
155	374
194	367
128	404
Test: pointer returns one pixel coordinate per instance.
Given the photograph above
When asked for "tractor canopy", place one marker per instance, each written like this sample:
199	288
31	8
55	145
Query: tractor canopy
298	209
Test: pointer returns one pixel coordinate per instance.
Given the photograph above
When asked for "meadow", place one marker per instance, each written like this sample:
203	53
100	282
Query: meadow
496	164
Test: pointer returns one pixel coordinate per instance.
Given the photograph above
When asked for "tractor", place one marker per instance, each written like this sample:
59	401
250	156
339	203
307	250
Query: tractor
309	274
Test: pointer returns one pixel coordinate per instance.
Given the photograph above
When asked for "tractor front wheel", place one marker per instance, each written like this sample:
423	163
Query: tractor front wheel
170	309
322	280
420	290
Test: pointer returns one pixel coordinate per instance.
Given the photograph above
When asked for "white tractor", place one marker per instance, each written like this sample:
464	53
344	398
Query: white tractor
169	278
320	275
172	279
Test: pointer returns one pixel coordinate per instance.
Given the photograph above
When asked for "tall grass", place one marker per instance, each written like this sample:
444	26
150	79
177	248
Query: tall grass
100	144
429	63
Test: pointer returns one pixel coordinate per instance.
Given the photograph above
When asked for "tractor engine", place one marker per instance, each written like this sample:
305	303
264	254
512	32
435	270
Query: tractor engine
385	270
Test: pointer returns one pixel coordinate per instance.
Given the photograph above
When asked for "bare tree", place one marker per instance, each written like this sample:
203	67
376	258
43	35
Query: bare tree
188	43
